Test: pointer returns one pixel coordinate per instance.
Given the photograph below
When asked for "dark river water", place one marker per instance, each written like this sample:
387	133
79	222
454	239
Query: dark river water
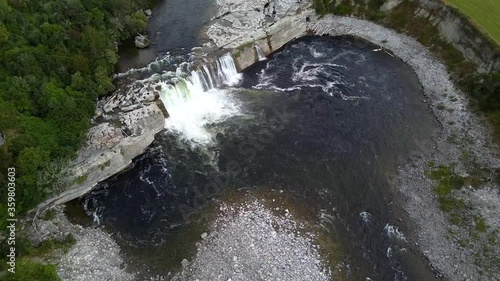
175	27
325	120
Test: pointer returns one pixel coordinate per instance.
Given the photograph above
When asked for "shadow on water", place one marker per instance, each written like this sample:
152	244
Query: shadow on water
326	120
174	27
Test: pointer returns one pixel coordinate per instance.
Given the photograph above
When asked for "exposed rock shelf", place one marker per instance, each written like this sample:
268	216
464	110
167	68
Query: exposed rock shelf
116	138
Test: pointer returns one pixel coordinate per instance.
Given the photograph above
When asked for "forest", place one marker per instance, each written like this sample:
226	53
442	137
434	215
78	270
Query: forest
56	59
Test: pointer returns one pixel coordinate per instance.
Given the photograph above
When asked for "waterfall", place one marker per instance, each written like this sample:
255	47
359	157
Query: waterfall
197	98
260	53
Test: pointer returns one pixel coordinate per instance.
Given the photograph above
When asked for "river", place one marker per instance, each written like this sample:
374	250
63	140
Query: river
324	120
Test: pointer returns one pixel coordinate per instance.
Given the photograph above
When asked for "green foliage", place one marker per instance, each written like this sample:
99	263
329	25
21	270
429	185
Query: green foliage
485	92
48	246
483	12
56	58
447	178
344	8
28	270
485	89
81	179
323	7
481	225
375	4
447	181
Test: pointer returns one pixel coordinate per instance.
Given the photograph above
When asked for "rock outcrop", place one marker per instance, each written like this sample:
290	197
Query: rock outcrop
461	33
148	13
269	24
141	41
125	125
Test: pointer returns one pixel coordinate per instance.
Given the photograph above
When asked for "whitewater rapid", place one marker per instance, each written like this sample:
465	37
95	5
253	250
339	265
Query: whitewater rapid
199	99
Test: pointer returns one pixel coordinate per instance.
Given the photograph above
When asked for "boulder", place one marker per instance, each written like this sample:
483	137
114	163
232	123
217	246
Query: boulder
148	13
142	41
2	137
389	5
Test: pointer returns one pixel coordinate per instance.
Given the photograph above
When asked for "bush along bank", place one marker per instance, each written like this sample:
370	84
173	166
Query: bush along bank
56	59
465	184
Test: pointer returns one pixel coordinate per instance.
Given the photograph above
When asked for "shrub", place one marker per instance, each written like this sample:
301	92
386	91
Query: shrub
344	8
28	270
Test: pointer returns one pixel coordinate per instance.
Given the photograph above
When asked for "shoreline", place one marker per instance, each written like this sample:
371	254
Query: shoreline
418	198
415	188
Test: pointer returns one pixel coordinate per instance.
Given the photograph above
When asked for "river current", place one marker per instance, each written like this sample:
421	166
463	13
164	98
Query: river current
324	120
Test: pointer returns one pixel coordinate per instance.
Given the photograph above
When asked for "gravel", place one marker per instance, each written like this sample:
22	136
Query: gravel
250	242
95	255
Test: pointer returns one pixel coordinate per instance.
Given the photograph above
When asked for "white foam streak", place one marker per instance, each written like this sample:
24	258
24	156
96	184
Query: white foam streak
392	231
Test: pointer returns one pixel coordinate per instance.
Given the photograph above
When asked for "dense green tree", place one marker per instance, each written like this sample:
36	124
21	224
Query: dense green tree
28	270
56	58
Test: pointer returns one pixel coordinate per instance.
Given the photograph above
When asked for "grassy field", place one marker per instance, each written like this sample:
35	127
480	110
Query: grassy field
486	14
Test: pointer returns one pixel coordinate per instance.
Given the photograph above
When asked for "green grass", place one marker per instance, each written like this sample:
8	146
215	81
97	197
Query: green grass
485	13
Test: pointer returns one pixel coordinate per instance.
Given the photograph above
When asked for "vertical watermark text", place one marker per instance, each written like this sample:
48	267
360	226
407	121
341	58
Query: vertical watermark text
11	219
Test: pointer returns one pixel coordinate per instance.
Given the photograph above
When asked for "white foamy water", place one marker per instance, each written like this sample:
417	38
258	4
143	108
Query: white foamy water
392	231
196	100
260	53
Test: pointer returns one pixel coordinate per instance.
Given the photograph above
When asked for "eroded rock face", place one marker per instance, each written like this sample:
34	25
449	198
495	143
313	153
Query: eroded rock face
125	125
239	22
240	25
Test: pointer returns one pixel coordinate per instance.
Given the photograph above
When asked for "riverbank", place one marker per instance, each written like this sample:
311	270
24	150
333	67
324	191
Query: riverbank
457	244
463	133
93	255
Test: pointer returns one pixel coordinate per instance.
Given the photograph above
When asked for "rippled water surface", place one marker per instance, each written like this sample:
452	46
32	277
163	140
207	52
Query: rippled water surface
326	120
175	27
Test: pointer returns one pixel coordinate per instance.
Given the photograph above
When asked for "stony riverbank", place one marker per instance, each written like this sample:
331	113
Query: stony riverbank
453	250
464	141
440	241
94	255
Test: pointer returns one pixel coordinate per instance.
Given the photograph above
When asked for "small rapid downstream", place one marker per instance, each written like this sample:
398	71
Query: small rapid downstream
324	120
175	27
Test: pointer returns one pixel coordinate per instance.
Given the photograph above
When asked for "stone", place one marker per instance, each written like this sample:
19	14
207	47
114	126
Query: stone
110	149
141	41
2	137
148	13
204	235
389	5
